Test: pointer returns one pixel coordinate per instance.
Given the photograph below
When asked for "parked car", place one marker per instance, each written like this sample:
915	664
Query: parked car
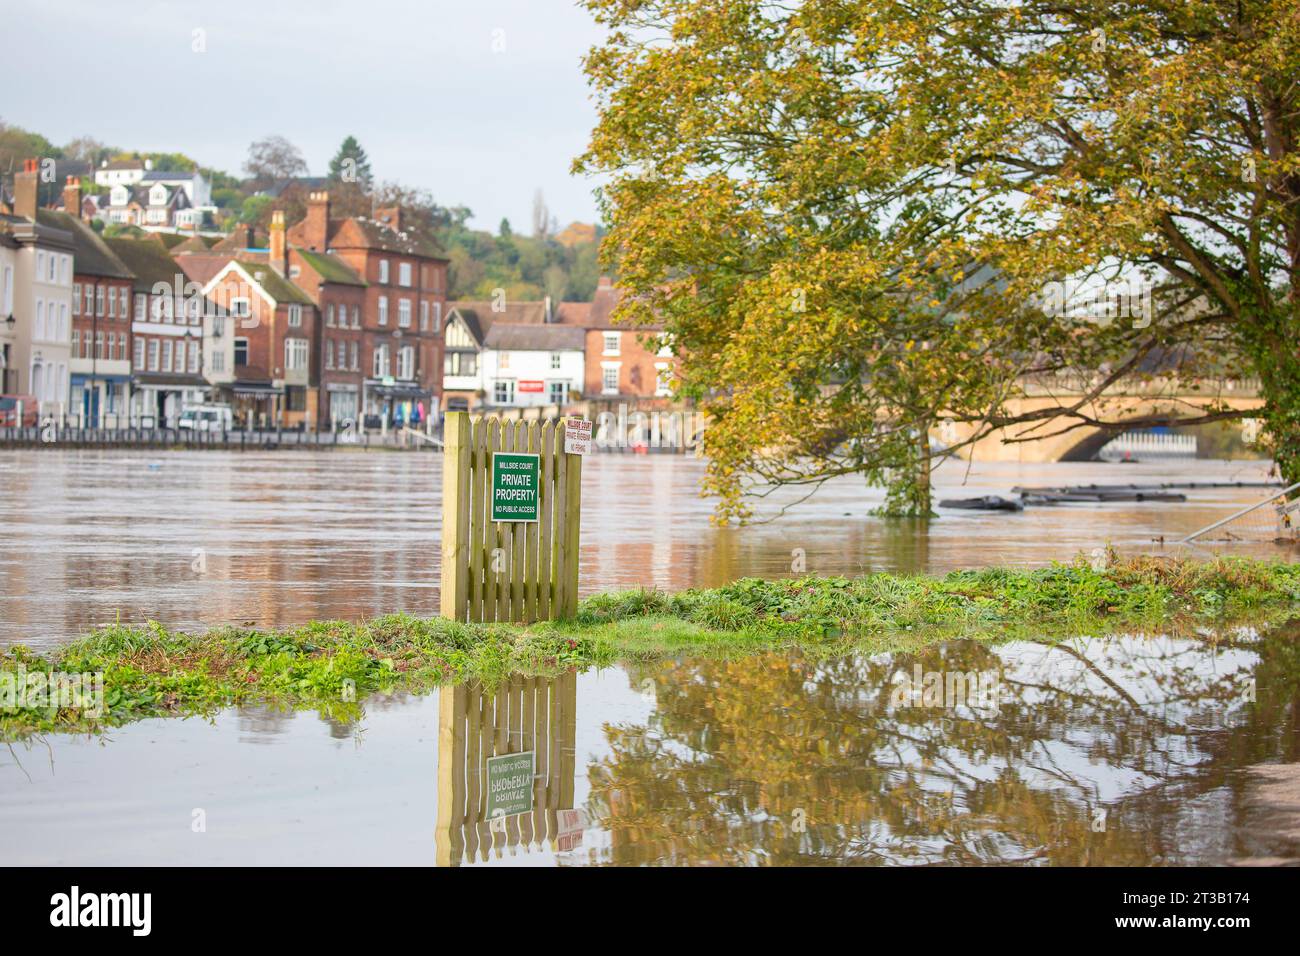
206	418
9	410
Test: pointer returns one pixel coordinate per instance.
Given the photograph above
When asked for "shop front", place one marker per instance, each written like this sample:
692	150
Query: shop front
400	403
100	401
157	400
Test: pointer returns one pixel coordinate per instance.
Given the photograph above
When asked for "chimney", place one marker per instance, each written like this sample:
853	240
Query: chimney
316	227
72	197
25	189
550	314
279	248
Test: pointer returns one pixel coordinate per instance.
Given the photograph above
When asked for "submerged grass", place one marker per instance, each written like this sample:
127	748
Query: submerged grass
331	666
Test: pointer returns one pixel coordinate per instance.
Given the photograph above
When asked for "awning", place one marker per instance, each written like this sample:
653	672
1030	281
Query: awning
411	393
254	388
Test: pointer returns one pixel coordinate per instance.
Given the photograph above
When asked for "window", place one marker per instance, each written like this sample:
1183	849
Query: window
424	316
153	355
39	330
112	303
295	355
53	266
356	316
437	316
241	307
559	392
383	310
406	362
356	358
241	352
140	305
99	345
460	363
123	303
138	360
383	270
40	264
555	360
192	307
503	360
663	378
63	321
329	316
503	391
76	298
329	355
611	343
121	346
609	380
404	313
195	357
99	300
343	354
458	338
9	291
76	344
295	316
167	355
218	361
404	274
381	361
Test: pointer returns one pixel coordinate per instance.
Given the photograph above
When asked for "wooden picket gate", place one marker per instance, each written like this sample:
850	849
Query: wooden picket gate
508	571
523	714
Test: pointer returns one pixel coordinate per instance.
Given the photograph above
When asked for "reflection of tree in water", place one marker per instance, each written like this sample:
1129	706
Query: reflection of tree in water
1148	730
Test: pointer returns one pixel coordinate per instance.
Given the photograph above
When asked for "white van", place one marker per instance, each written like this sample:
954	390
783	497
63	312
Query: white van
206	418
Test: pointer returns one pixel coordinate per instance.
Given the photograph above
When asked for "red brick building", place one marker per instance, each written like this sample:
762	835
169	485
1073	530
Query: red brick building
403	302
340	298
623	363
274	328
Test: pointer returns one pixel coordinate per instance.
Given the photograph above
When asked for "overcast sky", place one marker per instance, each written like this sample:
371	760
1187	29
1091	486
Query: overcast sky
416	81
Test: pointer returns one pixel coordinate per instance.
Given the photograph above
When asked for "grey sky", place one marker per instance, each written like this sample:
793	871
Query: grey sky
416	82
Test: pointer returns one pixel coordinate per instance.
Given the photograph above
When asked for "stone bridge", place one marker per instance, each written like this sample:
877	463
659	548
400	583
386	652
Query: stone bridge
1123	402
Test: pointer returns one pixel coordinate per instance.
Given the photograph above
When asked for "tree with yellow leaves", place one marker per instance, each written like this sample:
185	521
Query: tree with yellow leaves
859	218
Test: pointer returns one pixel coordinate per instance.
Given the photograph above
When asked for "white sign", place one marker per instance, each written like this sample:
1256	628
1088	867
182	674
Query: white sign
577	436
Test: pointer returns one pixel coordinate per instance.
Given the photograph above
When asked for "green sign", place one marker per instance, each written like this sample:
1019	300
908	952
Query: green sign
509	784
514	486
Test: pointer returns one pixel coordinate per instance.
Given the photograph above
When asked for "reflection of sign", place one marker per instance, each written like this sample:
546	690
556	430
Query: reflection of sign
571	824
530	385
577	436
514	486
509	784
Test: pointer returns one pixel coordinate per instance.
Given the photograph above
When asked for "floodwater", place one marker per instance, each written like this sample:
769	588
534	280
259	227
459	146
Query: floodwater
1136	749
1133	750
197	539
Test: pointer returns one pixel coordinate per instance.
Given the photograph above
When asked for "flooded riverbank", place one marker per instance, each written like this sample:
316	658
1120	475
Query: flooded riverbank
207	538
1130	750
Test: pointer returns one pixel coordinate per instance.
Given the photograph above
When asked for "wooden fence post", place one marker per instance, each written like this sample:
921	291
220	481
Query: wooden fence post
508	571
455	516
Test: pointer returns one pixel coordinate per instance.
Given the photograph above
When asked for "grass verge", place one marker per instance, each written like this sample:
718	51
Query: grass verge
331	666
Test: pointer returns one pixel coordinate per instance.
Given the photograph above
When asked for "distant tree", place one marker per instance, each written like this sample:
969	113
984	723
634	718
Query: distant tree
88	149
504	230
351	165
541	217
274	158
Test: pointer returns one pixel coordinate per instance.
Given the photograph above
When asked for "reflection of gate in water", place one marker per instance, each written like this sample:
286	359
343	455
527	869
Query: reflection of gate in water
524	713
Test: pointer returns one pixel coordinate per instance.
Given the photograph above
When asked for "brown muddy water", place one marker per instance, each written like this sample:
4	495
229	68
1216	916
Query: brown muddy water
196	539
1135	749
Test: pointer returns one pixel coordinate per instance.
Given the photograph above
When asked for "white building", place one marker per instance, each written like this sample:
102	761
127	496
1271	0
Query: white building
8	279
525	365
